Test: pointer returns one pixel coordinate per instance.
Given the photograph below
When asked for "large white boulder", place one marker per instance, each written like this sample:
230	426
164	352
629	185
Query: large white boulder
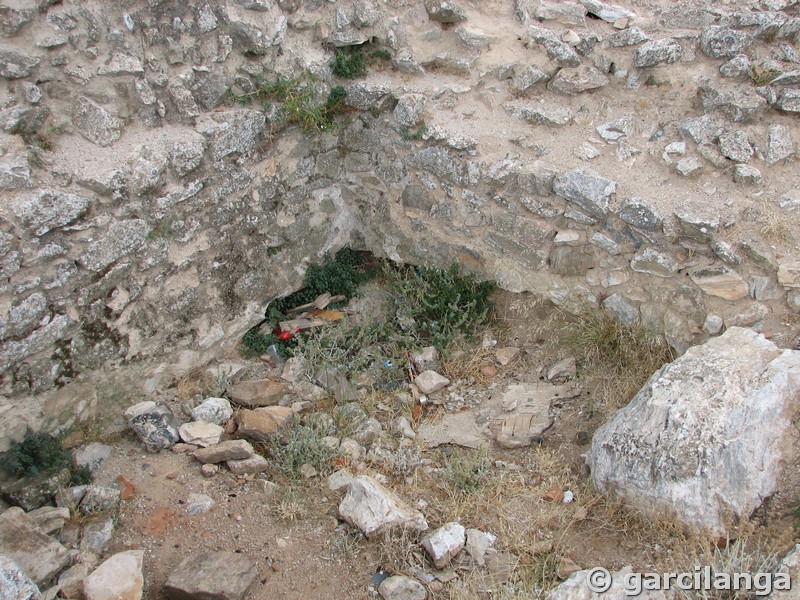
707	437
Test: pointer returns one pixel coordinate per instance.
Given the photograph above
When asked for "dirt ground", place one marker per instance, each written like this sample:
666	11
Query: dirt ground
303	551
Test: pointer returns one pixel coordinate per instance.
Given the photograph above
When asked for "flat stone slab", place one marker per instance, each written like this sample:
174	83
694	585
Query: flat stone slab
457	428
225	451
525	412
211	576
263	392
39	555
201	433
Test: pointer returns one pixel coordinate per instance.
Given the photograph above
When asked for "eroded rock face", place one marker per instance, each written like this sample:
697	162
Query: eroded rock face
707	437
155	198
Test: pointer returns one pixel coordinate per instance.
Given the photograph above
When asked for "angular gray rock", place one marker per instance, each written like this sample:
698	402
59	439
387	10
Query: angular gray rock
15	585
701	130
739	105
444	543
587	189
400	587
374	509
561	53
637	212
211	576
24	316
186	156
445	11
707	437
747	175
574	80
524	80
121	238
430	382
154	423
654	262
738	66
232	131
610	13
15	173
736	146
14	65
409	108
120	63
623	310
780	145
97	534
99	498
213	410
40	556
49	209
657	52
536	112
34	491
719	42
91	455
95	123
118	578
627	37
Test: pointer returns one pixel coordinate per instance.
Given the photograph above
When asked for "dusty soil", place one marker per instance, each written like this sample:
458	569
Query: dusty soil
303	551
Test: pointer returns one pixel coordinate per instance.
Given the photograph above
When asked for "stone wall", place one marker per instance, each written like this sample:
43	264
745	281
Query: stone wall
627	157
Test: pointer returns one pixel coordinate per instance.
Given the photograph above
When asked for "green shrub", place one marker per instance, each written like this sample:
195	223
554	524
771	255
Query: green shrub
437	304
349	64
466	470
301	100
38	453
414	134
352	62
339	274
41	454
295	445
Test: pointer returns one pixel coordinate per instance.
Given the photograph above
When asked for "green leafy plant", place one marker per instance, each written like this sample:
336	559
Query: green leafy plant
339	274
352	62
414	134
295	445
302	99
37	453
763	75
349	64
437	304
164	229
466	470
43	453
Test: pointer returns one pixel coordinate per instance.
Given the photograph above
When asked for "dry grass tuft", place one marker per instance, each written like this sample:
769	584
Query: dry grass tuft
465	363
776	227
